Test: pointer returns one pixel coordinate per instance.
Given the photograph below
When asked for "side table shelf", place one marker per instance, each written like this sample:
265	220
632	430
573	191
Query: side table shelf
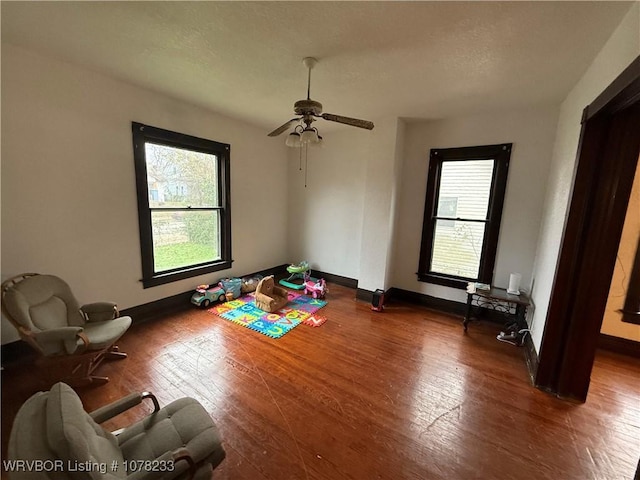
514	307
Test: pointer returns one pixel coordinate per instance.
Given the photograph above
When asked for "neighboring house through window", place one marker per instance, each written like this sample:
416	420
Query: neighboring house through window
463	207
183	204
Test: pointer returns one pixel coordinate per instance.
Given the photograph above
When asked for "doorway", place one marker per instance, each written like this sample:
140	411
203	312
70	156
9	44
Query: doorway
607	159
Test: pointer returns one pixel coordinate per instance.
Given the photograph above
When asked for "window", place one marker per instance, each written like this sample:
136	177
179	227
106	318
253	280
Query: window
183	204
463	206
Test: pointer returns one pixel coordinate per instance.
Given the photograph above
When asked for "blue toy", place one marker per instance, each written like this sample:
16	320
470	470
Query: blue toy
232	285
205	295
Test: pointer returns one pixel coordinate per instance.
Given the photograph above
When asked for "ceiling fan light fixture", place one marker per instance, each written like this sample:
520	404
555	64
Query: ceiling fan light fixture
308	111
293	140
309	135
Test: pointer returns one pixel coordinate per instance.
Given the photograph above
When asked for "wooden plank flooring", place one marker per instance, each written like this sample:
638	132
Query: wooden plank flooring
402	394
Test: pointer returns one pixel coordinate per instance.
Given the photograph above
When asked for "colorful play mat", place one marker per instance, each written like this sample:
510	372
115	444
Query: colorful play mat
299	309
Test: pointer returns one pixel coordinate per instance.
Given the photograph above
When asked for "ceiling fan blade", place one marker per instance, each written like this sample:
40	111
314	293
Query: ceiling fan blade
354	122
283	127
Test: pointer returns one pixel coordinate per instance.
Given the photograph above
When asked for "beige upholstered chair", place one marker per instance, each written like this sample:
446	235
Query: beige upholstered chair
269	296
179	441
49	318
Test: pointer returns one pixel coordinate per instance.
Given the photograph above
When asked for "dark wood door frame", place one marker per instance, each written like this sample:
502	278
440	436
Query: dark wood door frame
606	164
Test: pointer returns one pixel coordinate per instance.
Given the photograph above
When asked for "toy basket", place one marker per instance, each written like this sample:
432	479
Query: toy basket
232	285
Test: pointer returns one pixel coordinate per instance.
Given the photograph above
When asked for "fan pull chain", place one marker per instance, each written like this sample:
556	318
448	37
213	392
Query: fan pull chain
300	158
306	163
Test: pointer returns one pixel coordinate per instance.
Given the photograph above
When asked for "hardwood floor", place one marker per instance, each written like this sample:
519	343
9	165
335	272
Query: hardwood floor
402	394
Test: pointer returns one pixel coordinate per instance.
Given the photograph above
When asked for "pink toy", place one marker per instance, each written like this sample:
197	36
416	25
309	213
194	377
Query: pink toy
316	289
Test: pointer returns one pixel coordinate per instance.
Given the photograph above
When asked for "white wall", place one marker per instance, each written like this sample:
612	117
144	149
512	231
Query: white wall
325	218
384	161
395	202
361	213
531	131
343	221
68	184
620	50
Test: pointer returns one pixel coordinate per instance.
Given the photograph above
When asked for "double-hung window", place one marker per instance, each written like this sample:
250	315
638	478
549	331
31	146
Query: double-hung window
184	211
463	207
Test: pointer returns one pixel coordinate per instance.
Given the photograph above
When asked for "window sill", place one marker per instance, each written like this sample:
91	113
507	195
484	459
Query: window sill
174	276
446	281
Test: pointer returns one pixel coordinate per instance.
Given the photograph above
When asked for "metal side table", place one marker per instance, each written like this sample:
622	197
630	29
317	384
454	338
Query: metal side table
514	307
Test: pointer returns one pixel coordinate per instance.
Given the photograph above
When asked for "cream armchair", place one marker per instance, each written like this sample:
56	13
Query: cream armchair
269	296
179	441
49	318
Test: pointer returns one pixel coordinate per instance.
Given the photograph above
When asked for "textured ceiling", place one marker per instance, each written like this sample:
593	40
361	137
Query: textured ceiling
377	59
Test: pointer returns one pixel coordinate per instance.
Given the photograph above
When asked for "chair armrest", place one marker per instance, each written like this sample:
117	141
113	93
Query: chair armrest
168	460
109	411
99	311
65	337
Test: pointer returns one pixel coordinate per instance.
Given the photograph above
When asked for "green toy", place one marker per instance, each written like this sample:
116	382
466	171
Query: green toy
298	273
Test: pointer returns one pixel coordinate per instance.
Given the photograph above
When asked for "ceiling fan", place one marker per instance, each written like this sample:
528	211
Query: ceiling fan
310	110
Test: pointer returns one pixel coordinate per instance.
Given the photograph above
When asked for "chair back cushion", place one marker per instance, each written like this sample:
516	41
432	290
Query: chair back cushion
43	302
28	441
266	286
75	437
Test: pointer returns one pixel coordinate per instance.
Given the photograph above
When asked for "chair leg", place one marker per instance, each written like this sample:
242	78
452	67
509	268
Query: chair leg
89	366
115	354
76	371
93	380
88	378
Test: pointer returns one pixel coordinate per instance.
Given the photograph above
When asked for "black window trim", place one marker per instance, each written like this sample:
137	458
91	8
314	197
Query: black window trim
144	133
501	154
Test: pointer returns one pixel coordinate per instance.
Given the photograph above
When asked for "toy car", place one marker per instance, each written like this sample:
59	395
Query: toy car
316	289
205	295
